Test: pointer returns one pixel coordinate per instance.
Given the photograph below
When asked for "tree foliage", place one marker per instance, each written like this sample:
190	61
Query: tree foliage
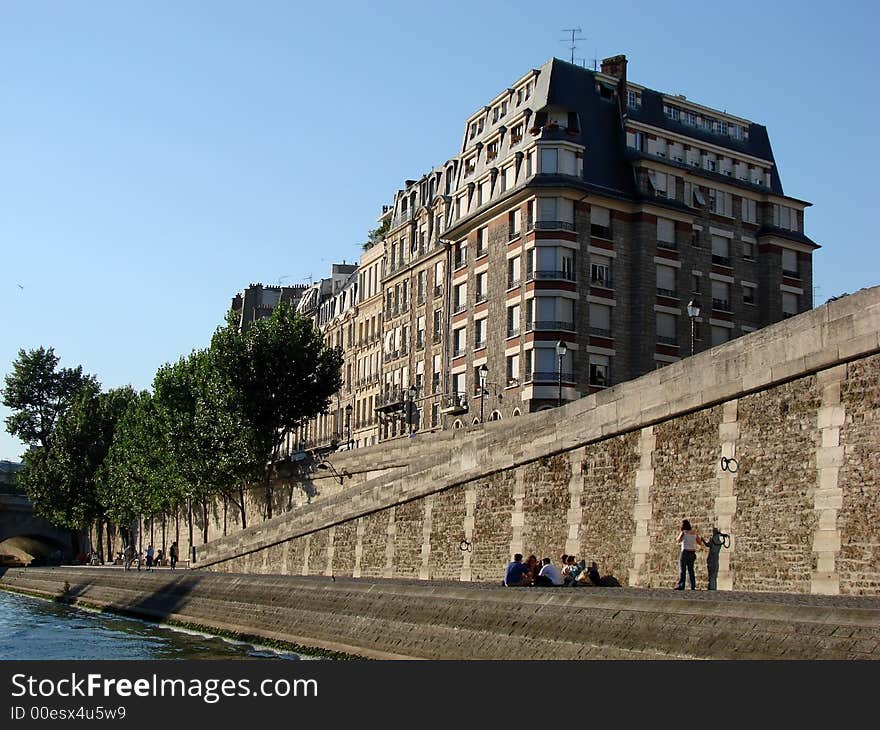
38	392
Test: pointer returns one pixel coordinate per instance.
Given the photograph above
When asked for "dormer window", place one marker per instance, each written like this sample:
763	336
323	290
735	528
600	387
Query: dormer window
516	134
469	166
492	150
633	99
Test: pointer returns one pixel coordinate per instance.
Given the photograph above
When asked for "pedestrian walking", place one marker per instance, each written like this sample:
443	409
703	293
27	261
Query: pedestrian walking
687	538
127	556
150	554
173	554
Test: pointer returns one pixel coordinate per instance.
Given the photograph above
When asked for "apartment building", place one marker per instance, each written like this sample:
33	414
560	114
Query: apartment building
258	301
588	230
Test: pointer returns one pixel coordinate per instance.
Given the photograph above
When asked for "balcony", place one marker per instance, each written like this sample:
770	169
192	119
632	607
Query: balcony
549	226
481	297
791	274
666	340
720	260
551	274
511	282
722	305
459	262
600	332
549	324
667	245
391	400
459	307
606	282
513	331
512	233
600	231
454	405
479	344
670	293
549	376
460	351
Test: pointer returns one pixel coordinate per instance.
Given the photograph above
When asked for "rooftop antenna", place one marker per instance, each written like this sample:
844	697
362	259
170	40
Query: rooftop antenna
595	59
282	278
573	39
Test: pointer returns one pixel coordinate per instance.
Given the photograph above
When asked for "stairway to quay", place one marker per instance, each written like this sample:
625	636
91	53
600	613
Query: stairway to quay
407	619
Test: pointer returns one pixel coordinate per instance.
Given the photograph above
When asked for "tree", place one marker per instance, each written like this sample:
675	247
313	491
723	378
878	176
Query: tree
138	474
38	392
272	378
64	480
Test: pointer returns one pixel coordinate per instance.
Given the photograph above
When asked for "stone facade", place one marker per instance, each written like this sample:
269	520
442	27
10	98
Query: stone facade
772	437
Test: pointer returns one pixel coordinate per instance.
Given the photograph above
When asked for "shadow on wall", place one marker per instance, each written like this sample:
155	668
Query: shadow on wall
23	550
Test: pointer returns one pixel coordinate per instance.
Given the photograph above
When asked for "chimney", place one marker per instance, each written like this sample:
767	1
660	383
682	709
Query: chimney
615	66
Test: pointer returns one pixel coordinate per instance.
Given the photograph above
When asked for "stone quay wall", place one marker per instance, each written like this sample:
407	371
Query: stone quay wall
609	477
416	619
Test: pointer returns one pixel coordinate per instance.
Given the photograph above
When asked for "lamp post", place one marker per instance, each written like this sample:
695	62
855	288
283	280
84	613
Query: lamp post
561	349
693	309
412	403
348	425
484	371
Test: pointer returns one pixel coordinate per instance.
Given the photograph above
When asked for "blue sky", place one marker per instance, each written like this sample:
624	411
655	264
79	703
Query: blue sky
156	158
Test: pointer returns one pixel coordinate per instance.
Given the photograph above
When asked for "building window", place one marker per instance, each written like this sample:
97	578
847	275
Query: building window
482	282
460	254
492	150
459	342
513	320
665	233
749	210
633	99
600	222
635	140
514	223
512	370
748	295
513	272
695	283
600	320
721	296
720	250
482	240
479	333
600	272
549	160
666	281
790	263
459	297
667	328
789	304
600	375
748	248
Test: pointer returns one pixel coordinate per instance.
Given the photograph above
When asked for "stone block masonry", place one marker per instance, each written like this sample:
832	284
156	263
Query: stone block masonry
610	477
430	620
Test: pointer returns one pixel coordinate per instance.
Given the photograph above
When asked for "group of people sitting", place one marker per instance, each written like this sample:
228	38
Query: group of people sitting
532	572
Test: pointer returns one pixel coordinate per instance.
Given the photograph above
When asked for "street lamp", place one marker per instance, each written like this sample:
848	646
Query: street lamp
348	425
561	349
412	403
693	310
484	371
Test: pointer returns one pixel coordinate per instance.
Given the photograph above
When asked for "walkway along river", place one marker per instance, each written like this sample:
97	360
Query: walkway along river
33	628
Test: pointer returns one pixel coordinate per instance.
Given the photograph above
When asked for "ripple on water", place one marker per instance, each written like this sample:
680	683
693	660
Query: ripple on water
31	628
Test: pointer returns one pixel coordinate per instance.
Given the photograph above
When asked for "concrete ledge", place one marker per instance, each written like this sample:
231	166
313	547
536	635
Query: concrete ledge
412	619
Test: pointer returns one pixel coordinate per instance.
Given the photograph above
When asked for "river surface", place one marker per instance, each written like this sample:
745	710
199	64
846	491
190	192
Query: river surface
31	628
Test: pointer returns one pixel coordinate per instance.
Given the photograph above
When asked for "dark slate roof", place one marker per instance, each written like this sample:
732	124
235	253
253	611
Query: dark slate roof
603	135
605	166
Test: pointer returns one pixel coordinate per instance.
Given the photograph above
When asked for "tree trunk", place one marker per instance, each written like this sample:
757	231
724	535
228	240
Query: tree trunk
241	506
225	510
205	522
100	539
110	558
190	508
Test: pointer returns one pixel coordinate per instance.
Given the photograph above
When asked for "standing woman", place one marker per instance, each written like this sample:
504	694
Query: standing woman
687	538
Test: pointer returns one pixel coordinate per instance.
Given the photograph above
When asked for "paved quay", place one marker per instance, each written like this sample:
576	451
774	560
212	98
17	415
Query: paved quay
447	620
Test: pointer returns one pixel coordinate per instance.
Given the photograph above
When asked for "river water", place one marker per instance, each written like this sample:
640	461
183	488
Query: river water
31	628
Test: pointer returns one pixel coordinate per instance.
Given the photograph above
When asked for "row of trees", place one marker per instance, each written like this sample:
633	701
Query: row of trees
212	425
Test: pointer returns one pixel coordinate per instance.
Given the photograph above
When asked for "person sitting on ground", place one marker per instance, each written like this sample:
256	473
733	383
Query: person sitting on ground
517	573
572	571
534	568
549	575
